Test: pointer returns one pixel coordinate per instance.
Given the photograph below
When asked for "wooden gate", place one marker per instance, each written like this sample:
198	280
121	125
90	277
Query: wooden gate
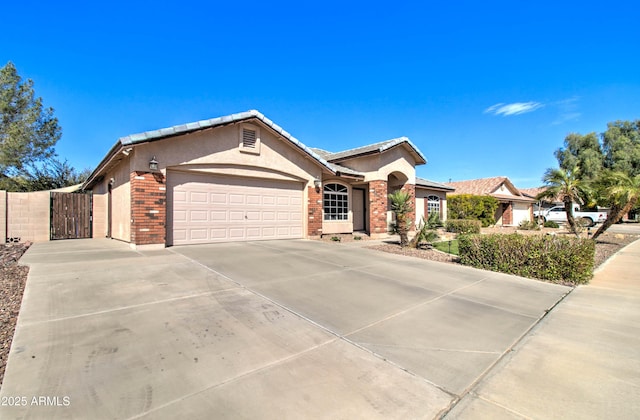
70	215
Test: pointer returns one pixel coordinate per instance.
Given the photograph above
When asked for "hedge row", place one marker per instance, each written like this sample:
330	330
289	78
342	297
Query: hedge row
553	258
463	226
473	207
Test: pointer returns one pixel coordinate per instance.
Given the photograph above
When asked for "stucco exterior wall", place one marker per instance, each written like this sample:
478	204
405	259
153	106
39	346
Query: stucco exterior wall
28	216
99	215
421	203
217	151
121	202
379	166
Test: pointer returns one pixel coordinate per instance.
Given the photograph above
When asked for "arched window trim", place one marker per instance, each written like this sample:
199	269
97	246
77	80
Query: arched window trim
335	202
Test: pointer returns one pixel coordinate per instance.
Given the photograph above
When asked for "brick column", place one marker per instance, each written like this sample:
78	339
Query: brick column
507	215
377	207
314	209
411	189
148	208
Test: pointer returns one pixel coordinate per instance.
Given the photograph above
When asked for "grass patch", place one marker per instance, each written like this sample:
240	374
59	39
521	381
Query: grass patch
444	247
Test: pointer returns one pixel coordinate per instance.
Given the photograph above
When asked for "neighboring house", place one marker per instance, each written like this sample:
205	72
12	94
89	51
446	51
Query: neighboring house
514	207
242	177
547	203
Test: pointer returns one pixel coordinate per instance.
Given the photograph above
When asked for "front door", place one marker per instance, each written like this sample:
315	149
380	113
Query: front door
358	209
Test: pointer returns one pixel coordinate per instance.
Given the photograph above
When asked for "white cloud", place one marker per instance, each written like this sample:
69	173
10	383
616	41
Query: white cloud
515	108
568	110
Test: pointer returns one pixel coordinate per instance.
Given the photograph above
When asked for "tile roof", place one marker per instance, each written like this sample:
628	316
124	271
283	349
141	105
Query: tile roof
477	186
489	186
378	147
421	182
532	192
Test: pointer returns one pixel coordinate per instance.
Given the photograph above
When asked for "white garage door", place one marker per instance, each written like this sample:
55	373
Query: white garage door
207	208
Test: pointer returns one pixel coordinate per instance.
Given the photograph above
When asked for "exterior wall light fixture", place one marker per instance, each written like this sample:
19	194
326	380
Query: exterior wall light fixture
153	164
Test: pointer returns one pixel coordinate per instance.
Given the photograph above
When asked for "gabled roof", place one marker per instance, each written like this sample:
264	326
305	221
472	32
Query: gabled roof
373	149
533	193
425	183
163	133
489	186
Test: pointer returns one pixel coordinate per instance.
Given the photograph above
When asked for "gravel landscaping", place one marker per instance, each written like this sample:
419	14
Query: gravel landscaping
13	278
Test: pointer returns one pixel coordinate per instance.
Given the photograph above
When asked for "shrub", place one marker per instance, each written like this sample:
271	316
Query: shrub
528	225
551	224
552	258
463	226
473	207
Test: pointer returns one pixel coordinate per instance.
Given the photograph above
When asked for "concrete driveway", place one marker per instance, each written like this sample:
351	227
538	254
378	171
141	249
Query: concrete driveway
280	329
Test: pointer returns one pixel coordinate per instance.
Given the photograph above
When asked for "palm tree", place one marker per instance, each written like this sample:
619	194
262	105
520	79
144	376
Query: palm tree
623	191
567	185
401	206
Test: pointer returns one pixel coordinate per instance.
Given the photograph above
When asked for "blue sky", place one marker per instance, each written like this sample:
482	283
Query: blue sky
482	88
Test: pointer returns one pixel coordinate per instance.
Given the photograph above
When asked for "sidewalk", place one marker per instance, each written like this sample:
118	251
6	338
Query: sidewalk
581	362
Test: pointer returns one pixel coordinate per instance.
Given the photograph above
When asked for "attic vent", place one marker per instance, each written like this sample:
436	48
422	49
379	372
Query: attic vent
249	138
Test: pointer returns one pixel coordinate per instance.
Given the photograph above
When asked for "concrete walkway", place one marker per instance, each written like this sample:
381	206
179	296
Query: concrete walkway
581	362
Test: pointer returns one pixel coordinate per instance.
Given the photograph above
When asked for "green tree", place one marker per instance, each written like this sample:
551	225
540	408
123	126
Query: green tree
615	150
51	174
621	147
401	206
28	132
623	191
567	185
584	152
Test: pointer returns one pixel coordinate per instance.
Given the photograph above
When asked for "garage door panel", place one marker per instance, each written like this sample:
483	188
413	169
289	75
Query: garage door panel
218	216
218	198
207	208
236	199
236	233
197	234
198	216
218	233
180	216
254	200
180	197
268	200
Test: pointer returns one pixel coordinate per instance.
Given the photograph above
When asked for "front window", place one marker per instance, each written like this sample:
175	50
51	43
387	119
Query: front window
433	204
336	202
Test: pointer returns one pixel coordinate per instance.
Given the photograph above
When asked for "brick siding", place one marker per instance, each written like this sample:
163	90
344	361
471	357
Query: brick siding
378	207
314	206
507	215
148	208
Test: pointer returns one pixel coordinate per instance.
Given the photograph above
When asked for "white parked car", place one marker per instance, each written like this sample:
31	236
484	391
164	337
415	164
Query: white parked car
558	215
